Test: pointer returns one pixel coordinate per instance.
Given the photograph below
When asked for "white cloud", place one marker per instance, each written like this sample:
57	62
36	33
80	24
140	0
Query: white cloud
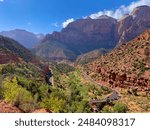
1	0
118	13
65	24
122	10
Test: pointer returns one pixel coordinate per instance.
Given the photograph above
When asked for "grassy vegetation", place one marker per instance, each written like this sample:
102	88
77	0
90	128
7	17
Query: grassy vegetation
136	103
64	68
116	107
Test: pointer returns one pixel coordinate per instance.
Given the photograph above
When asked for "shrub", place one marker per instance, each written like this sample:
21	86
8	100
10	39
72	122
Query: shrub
7	69
107	110
147	51
120	107
24	100
17	95
29	85
54	104
105	89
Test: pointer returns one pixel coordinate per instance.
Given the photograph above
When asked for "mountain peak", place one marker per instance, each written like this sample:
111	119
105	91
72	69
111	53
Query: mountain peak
142	7
104	17
19	30
88	17
140	10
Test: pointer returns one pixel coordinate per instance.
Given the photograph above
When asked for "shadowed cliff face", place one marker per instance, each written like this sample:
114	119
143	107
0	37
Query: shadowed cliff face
85	35
90	34
79	37
133	25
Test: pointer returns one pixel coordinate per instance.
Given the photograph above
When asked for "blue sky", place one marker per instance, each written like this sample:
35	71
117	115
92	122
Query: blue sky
46	16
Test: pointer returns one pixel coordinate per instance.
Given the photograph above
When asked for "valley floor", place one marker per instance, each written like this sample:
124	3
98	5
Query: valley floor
73	91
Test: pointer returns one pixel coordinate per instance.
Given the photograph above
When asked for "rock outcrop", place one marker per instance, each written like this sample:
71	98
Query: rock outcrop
134	24
126	66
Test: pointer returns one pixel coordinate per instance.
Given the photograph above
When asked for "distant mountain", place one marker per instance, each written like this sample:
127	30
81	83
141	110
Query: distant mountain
80	37
127	66
40	36
54	51
12	51
27	39
85	35
91	56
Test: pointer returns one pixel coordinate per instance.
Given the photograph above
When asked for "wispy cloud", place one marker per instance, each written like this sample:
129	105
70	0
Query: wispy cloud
55	24
65	24
122	10
1	0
